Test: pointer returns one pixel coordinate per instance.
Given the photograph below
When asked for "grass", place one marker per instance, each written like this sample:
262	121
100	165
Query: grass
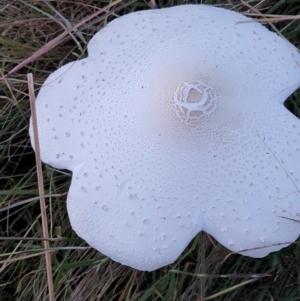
35	34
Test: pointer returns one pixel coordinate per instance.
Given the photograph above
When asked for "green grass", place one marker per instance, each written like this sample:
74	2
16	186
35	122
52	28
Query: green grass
203	271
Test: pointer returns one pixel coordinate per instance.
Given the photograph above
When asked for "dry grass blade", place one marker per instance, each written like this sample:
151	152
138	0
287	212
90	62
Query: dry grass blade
225	291
8	260
270	18
41	186
279	17
56	41
29	201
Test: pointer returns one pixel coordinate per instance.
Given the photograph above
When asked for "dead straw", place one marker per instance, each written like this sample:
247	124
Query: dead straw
40	185
56	41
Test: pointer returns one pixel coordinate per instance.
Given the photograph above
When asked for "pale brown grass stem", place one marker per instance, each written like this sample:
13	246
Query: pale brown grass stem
40	185
56	41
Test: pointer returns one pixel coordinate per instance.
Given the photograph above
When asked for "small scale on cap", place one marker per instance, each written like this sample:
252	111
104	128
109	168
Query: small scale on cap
175	124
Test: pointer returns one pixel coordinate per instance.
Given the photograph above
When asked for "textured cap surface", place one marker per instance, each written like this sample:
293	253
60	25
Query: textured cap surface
175	124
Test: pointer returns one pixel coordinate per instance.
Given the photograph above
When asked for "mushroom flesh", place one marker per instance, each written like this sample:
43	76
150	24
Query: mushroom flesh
175	124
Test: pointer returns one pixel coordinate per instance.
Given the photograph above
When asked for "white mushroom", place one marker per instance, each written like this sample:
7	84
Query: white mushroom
172	125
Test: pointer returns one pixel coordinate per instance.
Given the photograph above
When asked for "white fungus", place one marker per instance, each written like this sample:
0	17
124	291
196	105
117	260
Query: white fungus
175	124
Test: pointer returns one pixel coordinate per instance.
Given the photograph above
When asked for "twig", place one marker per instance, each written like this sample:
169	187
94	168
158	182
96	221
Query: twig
40	185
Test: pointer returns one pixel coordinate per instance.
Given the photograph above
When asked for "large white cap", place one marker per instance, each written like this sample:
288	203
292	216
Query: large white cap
175	124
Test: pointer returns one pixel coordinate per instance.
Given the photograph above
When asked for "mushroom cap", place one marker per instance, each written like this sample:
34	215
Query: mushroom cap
175	124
